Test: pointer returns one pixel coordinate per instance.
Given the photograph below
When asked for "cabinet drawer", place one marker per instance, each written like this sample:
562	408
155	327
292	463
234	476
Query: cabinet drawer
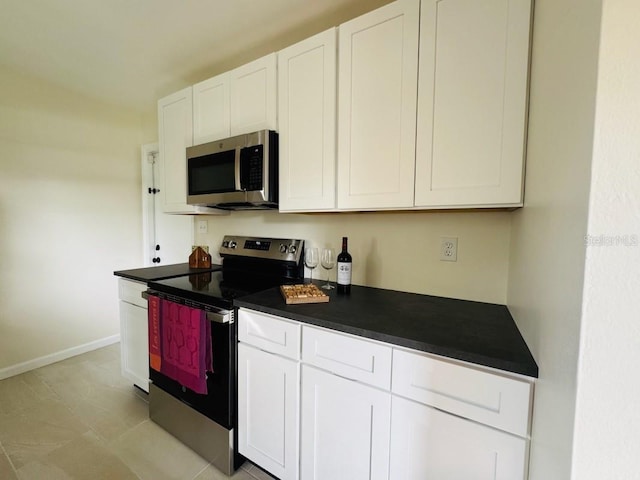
347	356
269	333
131	292
488	398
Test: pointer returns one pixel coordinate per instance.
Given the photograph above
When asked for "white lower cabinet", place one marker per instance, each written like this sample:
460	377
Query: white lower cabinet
268	411
325	405
345	428
134	333
429	443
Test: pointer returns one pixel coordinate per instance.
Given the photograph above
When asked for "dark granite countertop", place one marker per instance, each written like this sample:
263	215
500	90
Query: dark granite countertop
149	274
475	332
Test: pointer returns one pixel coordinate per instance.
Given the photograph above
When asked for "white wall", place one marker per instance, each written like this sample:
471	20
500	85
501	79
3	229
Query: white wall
69	216
398	251
607	426
546	268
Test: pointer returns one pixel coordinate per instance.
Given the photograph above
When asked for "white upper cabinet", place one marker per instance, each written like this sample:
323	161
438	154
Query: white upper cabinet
240	101
377	82
252	89
307	124
472	102
211	117
175	135
422	105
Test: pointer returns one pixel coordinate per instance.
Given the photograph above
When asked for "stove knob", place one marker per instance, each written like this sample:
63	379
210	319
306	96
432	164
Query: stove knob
232	244
225	244
293	249
283	248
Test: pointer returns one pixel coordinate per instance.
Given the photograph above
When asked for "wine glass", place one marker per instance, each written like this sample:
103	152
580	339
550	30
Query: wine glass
311	259
328	261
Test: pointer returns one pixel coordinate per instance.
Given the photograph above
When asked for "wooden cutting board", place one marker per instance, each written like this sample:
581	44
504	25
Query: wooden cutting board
307	293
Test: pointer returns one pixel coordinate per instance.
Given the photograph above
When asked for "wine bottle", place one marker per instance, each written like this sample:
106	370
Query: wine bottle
344	269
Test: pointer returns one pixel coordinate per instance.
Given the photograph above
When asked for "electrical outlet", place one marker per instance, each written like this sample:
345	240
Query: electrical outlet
203	226
449	249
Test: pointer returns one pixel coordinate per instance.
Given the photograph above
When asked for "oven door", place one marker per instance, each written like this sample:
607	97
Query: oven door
218	403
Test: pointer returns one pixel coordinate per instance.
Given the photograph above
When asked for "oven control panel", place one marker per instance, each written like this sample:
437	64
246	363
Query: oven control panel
283	249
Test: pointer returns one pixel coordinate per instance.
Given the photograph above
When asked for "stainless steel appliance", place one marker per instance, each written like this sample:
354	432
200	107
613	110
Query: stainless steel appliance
237	173
206	422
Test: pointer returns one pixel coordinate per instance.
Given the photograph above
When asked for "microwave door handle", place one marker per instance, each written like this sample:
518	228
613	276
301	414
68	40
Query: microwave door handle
237	170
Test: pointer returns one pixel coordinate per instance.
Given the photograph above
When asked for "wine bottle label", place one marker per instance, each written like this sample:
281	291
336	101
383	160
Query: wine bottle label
344	273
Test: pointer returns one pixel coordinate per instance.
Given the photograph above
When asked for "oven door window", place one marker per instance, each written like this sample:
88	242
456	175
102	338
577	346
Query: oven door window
214	173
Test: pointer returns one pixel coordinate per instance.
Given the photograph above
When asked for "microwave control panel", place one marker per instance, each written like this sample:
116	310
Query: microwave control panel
252	168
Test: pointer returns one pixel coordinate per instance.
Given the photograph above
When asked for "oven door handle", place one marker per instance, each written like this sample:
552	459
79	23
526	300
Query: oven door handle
224	316
221	316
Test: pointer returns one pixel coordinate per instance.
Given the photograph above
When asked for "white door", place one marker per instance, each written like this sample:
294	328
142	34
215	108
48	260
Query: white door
167	238
175	125
268	392
134	344
211	109
427	443
377	82
253	93
344	428
307	124
472	104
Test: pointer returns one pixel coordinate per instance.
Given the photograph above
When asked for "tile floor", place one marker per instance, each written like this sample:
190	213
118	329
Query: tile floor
79	419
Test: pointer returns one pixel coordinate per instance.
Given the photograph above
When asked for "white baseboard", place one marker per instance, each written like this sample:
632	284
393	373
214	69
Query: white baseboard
19	368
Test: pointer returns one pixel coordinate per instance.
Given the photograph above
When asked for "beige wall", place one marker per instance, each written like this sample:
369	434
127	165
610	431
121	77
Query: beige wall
607	426
69	216
398	251
546	268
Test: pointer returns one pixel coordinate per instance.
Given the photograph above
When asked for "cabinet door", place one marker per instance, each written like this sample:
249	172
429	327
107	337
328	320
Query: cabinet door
472	103
253	96
175	134
211	109
134	344
377	82
344	428
428	443
268	392
307	124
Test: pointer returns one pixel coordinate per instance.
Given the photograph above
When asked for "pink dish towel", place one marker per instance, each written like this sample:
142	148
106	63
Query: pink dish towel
186	345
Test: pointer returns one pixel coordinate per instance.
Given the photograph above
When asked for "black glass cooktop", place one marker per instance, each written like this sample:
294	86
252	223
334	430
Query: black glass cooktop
217	288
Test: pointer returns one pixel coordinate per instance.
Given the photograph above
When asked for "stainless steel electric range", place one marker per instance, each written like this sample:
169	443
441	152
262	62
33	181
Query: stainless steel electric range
201	412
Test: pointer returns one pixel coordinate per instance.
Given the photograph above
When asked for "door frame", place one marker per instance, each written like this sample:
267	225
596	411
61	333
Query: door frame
148	218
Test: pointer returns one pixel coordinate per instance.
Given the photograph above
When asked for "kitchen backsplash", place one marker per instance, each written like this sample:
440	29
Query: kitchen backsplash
398	251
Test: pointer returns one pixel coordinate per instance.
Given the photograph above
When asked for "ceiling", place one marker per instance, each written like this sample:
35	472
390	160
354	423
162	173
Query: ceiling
131	52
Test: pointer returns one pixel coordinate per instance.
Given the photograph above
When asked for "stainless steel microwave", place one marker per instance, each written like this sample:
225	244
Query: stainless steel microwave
237	173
